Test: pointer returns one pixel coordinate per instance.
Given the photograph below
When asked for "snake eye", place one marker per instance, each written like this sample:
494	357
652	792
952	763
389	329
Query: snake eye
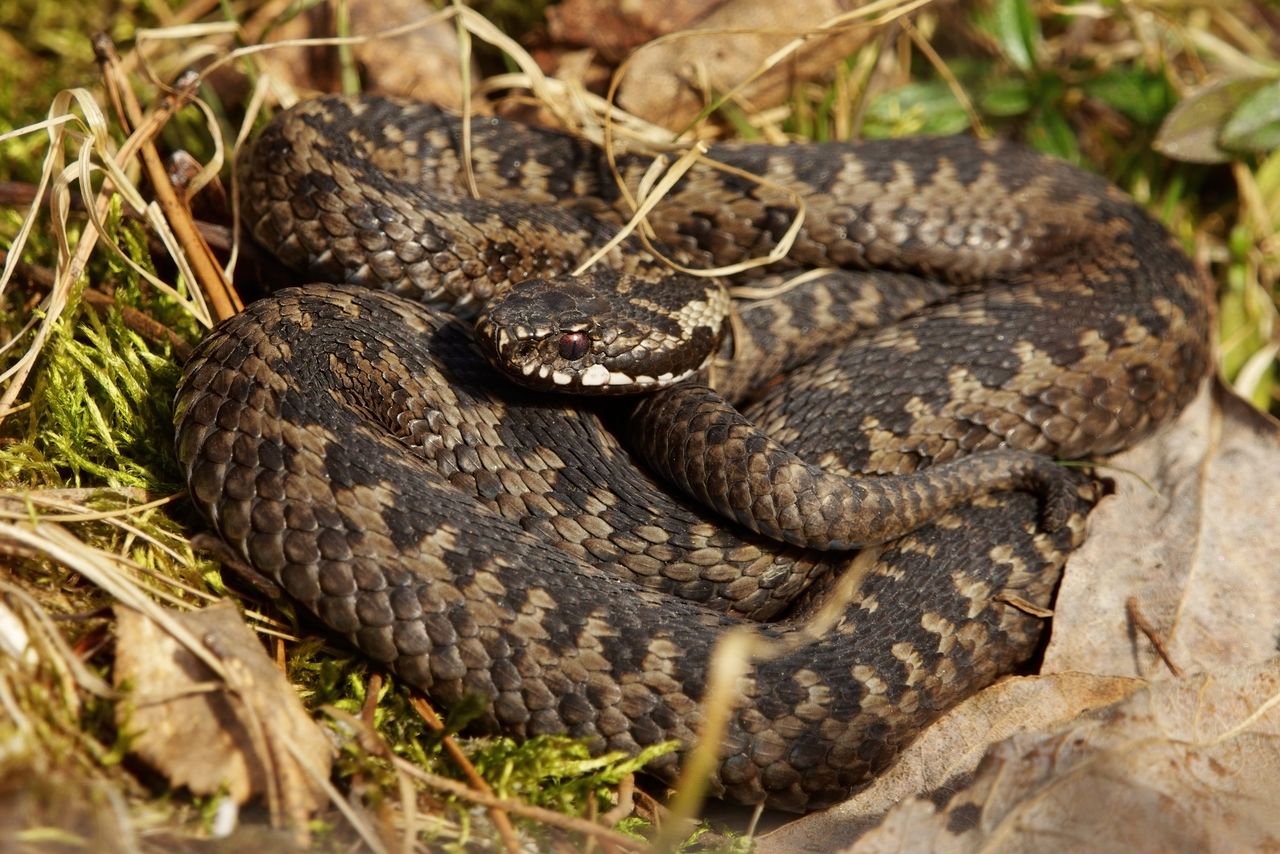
574	345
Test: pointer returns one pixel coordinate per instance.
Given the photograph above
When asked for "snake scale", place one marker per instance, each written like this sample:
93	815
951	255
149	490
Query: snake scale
480	538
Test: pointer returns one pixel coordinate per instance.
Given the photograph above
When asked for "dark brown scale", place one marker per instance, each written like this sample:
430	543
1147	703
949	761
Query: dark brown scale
1025	304
374	528
697	442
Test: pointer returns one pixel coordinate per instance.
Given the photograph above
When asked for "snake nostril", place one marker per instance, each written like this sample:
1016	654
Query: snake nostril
574	345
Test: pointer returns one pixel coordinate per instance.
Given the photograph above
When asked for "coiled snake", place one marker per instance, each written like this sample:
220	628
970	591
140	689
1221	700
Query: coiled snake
480	538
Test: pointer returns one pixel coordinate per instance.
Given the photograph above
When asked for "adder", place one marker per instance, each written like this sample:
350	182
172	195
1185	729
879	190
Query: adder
481	538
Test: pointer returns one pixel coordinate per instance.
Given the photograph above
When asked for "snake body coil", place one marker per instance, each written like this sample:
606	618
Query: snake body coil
481	539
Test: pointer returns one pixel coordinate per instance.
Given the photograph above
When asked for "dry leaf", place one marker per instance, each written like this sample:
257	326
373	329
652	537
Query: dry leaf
52	809
247	736
423	64
667	83
613	27
1191	535
949	751
1187	764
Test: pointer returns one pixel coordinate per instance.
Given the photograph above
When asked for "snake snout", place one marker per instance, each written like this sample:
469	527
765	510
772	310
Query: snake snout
565	335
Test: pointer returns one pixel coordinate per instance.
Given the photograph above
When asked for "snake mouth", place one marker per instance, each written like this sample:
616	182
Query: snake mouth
574	360
557	335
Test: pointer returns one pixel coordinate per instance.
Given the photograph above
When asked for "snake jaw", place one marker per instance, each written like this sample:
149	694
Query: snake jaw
543	354
560	335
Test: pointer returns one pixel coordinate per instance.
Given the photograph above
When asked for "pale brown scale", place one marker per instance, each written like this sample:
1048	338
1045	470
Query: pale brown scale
484	540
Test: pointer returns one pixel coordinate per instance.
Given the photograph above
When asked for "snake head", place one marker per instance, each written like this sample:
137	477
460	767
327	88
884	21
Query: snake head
610	334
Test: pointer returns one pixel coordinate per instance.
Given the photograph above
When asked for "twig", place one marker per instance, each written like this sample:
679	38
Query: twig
1140	621
626	802
140	322
210	277
1025	606
19	193
626	806
42	276
500	819
539	814
372	688
368	713
143	324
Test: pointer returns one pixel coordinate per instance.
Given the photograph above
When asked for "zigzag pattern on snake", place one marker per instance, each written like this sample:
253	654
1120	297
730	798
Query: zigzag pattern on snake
482	539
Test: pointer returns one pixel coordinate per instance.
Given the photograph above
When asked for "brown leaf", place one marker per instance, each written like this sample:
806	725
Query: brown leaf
949	751
1182	765
423	64
613	27
1191	535
248	735
666	83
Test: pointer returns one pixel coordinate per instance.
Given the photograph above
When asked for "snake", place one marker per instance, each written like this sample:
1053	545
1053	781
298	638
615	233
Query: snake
577	564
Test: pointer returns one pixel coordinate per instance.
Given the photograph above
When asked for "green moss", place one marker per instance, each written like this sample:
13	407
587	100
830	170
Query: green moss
47	48
556	772
100	398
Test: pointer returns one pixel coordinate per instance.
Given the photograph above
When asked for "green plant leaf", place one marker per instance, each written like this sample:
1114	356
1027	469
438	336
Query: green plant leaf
1052	134
1192	130
1008	96
927	107
1139	94
1017	31
1255	124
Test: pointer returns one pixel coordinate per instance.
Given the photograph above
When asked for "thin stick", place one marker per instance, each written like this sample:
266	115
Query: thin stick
539	814
500	819
945	72
1140	621
210	277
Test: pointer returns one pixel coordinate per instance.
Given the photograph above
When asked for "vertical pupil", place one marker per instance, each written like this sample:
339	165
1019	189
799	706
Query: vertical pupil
573	345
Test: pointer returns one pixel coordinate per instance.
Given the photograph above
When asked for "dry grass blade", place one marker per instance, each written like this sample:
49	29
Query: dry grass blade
755	292
876	14
499	818
29	507
945	72
647	202
551	818
71	266
69	514
210	279
464	63
104	570
734	655
68	272
588	111
54	647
